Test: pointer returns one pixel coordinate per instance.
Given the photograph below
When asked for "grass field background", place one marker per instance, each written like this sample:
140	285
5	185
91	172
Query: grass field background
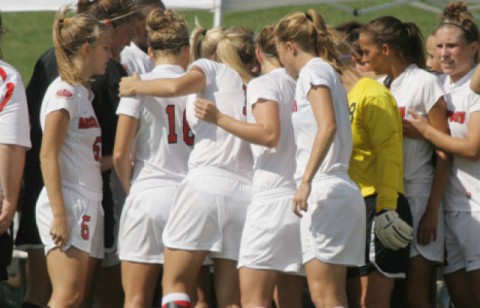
29	34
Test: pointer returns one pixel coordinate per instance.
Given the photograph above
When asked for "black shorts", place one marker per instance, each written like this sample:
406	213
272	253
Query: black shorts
27	235
6	251
391	263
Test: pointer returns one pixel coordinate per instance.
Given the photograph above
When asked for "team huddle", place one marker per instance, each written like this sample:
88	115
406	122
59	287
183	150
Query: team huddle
341	159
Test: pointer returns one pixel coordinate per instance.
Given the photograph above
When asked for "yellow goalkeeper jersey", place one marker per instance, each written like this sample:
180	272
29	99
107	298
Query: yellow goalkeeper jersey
376	164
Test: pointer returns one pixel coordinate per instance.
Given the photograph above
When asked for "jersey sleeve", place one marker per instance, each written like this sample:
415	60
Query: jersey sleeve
432	91
208	67
475	101
63	97
14	122
130	106
260	88
383	124
309	77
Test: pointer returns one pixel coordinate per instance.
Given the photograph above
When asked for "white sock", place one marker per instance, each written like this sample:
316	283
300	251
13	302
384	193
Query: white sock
172	297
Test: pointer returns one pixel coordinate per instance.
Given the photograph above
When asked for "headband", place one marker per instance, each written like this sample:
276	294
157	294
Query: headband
108	22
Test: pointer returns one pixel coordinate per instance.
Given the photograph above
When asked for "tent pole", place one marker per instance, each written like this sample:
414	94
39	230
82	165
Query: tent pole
217	13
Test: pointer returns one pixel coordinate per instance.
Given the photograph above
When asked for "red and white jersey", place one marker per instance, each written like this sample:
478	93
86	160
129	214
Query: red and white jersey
82	149
214	146
274	168
418	90
463	190
317	72
14	122
163	141
135	60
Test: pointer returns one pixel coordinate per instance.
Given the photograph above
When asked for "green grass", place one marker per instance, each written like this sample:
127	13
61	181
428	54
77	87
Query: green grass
29	34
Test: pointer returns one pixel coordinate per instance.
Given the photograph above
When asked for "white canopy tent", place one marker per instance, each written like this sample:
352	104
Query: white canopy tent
218	7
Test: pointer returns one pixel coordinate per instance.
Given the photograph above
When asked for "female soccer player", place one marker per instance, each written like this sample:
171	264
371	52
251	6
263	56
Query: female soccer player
14	143
69	211
211	203
270	250
395	49
457	45
119	15
156	128
333	223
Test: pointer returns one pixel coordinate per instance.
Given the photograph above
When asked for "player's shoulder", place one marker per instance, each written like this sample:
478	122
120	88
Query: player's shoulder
8	73
61	89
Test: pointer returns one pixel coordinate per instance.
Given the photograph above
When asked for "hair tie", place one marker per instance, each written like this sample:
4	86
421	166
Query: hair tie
308	16
63	22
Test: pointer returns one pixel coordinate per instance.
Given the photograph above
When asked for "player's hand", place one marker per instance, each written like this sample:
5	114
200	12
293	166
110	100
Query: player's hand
206	110
7	212
410	131
418	122
59	231
392	231
127	85
427	228
299	202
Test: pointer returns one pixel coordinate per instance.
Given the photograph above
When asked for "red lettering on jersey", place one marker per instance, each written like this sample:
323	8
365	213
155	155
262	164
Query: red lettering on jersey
85	123
97	148
458	117
295	107
402	112
188	136
64	93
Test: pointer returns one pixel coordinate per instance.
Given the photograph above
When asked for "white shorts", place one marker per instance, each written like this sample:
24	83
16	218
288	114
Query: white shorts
209	214
434	250
143	219
462	250
333	230
85	219
271	236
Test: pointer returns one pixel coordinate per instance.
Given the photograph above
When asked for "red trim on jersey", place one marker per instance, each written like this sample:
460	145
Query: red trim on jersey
3	74
8	95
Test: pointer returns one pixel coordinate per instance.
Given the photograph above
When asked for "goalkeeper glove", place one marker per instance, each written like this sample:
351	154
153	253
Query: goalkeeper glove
392	231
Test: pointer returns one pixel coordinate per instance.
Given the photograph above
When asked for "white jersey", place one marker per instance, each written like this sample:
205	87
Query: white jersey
214	146
14	122
463	188
418	90
317	72
135	60
163	141
274	168
81	152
